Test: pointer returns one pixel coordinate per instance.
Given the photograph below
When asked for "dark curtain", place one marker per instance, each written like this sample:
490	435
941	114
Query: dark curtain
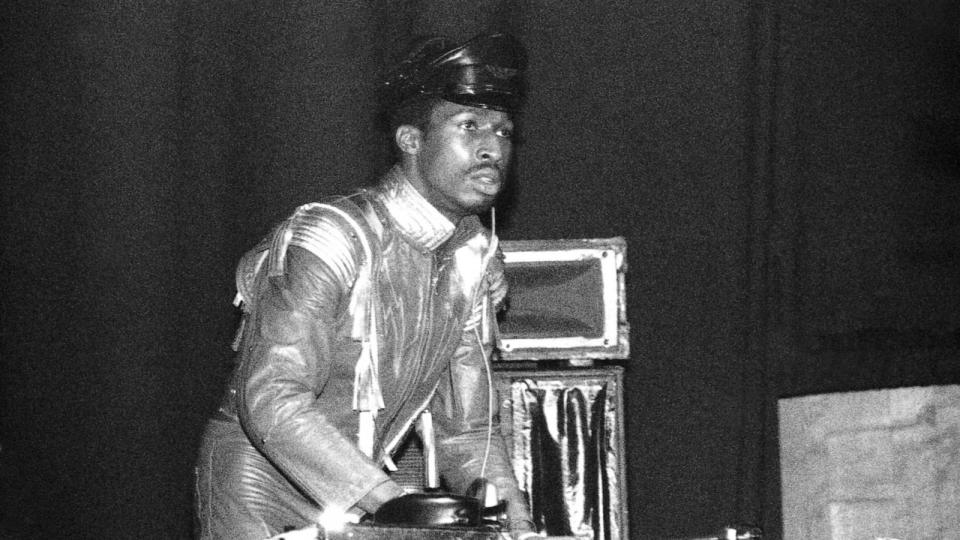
146	145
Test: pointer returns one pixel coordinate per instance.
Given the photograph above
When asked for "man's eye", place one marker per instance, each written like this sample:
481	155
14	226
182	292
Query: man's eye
505	133
469	124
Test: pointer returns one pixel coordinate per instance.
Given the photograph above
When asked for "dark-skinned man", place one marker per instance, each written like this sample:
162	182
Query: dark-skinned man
365	311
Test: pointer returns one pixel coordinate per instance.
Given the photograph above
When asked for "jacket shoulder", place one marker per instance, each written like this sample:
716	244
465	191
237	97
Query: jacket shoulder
335	231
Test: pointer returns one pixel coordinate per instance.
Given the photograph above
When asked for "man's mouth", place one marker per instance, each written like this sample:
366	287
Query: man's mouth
486	175
486	180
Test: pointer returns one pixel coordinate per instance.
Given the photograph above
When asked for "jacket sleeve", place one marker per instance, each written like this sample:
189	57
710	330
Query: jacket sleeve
465	415
286	365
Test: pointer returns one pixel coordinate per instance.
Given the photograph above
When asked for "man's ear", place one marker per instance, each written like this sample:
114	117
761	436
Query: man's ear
408	139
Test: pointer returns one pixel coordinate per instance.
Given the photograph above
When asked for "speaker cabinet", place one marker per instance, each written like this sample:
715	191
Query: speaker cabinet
566	300
565	432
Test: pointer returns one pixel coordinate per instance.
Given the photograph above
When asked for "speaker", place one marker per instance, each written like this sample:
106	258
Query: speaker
566	300
565	434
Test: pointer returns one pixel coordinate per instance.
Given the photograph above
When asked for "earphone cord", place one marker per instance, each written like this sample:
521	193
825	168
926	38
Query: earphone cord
486	365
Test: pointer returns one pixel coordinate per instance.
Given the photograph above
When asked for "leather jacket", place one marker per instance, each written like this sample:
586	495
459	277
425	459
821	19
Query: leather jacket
431	288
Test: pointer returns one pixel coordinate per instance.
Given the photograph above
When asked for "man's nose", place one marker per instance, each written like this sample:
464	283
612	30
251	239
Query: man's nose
490	148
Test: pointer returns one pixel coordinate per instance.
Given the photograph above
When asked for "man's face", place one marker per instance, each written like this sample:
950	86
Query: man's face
463	158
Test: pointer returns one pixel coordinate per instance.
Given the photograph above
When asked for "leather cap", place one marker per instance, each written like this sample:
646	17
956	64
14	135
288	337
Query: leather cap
486	72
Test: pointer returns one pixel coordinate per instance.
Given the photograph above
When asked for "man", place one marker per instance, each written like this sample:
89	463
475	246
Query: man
363	312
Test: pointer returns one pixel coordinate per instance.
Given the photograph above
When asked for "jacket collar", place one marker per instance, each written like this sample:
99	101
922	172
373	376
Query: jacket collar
416	218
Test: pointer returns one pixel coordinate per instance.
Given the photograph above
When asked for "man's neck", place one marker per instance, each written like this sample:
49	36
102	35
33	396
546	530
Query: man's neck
414	215
412	173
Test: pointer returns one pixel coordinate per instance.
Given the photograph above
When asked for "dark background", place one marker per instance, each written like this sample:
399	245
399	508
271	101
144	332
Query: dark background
786	174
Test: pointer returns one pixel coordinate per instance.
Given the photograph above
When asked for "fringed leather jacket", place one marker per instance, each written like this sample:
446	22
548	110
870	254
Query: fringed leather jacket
359	314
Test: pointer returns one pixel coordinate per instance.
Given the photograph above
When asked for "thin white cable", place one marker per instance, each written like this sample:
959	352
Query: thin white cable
486	365
483	354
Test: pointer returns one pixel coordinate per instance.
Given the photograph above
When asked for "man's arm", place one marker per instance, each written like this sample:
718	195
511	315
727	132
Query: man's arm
465	422
286	364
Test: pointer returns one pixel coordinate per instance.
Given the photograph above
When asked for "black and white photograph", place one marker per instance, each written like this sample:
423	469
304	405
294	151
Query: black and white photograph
480	269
